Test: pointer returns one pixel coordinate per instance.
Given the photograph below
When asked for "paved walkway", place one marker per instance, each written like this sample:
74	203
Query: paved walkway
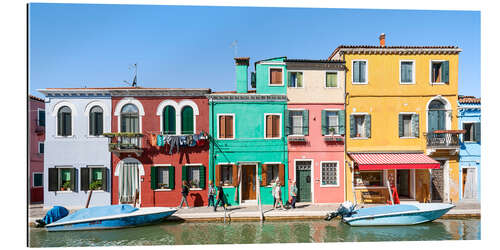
251	212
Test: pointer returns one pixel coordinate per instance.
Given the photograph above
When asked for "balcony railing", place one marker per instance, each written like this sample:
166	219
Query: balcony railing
125	142
444	138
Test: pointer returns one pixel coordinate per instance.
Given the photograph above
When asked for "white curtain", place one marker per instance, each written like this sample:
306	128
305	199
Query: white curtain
129	182
470	184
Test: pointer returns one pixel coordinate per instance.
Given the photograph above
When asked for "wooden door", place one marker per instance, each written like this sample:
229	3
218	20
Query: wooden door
248	182
403	183
303	181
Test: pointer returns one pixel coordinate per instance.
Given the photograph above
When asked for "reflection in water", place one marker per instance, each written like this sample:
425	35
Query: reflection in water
176	233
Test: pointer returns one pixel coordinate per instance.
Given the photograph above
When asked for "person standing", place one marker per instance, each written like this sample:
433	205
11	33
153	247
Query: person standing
277	195
211	194
184	192
220	197
293	193
273	188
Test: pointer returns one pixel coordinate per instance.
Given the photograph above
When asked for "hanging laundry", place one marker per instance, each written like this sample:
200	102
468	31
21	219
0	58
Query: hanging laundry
190	141
174	142
159	140
152	138
182	141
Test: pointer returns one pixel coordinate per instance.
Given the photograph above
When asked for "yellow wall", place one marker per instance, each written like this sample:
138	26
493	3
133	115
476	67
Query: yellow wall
384	98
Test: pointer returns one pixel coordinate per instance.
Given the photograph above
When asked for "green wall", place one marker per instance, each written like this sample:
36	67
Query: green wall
262	71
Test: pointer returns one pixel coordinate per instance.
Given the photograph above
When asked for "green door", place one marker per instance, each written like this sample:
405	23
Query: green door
303	181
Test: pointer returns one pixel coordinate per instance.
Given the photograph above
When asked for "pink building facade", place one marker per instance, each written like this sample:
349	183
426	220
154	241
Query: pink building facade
36	139
315	114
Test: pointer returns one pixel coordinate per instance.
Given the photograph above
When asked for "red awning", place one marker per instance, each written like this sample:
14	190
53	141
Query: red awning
379	161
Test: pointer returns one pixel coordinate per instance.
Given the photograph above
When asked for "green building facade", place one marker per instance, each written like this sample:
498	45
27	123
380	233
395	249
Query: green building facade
248	149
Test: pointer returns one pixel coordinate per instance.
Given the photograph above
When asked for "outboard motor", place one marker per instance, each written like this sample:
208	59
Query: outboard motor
54	214
345	209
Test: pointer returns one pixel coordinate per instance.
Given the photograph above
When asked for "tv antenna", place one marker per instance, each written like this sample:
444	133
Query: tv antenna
134	82
235	45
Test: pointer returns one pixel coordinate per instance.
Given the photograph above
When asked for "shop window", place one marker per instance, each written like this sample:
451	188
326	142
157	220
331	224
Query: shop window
226	126
37	179
370	178
272	126
329	173
295	79
93	178
276	76
62	179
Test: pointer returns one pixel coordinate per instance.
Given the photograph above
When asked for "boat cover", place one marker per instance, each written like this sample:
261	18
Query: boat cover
94	212
370	211
55	214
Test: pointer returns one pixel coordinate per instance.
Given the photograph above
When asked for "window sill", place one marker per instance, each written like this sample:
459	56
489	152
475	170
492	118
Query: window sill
162	190
408	137
64	137
438	83
225	139
295	87
471	142
331	87
327	186
63	192
407	83
272	138
195	189
360	138
275	85
359	83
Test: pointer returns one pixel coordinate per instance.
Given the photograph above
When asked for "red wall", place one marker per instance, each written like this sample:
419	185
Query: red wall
153	155
37	134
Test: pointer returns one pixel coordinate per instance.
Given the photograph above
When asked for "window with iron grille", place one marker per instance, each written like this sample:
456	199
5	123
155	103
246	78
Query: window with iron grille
329	173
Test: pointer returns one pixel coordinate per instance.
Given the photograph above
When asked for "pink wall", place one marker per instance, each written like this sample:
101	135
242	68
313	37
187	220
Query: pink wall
36	135
317	149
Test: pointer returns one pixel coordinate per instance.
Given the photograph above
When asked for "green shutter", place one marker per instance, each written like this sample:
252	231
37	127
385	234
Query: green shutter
352	126
400	125
202	177
445	77
305	122
287	122
187	120
41	117
355	71
104	179
415	130
368	126
477	132
73	181
171	177
84	180
99	125
184	173
59	124
53	179
169	120
154	178
92	122
341	122
299	79
324	125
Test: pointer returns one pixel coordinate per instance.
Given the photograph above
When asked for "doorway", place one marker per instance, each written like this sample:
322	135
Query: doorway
469	185
403	183
128	184
438	182
248	184
303	180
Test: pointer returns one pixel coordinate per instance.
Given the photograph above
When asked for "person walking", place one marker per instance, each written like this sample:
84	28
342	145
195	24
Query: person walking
184	192
211	194
293	193
220	197
277	195
273	188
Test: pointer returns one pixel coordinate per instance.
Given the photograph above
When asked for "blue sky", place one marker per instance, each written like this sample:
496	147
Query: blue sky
73	45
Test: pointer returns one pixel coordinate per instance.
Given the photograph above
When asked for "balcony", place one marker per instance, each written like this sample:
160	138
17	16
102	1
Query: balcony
125	143
444	139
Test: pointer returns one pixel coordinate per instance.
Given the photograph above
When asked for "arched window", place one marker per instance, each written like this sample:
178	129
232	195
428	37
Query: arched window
187	122
436	104
64	121
95	121
436	116
129	119
169	120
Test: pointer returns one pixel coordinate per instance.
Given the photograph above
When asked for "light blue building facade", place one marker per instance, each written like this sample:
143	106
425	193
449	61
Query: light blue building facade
469	119
76	154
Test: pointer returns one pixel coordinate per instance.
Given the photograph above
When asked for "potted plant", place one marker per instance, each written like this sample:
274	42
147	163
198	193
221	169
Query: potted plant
96	185
66	186
332	131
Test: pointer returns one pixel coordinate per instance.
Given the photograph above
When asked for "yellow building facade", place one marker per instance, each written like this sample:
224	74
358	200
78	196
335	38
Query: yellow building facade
401	105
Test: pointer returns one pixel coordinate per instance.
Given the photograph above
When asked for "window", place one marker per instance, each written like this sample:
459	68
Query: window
41	147
331	79
41	117
359	72
129	117
37	180
94	178
472	132
407	72
275	76
226	174
64	121
96	121
329	173
439	71
62	178
296	121
272	126
226	127
371	178
187	122
295	79
408	125
162	177
195	175
270	172
169	120
331	122
360	126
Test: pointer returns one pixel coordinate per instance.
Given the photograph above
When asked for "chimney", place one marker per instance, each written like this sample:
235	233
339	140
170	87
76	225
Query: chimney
242	74
382	40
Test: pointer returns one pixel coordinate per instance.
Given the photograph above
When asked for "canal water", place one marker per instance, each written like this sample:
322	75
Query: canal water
188	233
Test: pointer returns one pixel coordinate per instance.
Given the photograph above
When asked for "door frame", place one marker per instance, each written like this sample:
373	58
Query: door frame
240	185
446	178
140	176
312	174
411	178
462	183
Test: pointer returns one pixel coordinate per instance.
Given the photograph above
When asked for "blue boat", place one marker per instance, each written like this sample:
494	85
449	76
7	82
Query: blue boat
391	215
109	217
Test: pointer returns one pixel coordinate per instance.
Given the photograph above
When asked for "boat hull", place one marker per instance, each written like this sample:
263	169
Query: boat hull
418	216
112	223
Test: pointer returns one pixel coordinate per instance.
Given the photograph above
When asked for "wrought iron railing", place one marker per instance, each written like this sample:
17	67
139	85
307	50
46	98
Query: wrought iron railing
443	138
124	141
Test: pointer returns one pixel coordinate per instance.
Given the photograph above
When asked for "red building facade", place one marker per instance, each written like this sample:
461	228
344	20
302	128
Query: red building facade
36	117
149	172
